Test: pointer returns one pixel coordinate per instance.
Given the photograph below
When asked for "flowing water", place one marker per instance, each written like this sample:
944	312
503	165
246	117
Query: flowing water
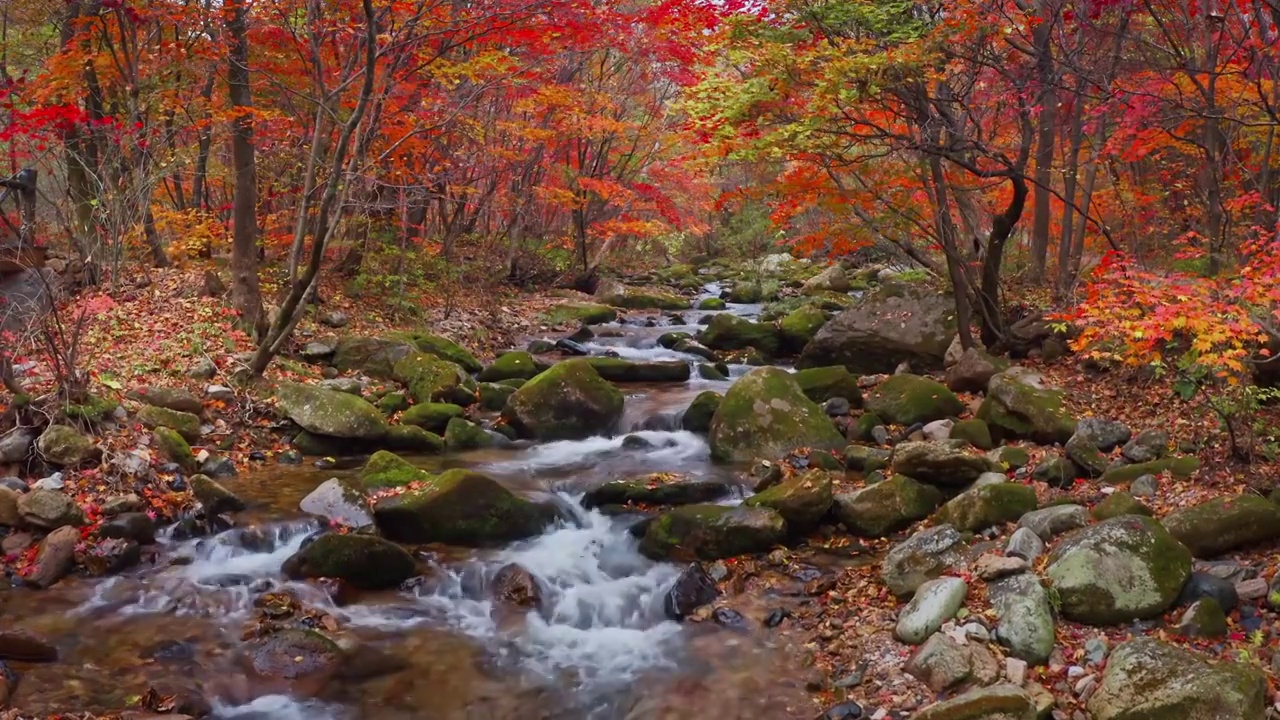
599	646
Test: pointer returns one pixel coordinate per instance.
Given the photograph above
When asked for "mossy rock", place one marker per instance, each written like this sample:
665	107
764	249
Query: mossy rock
801	499
568	402
669	340
373	356
440	346
711	303
513	383
976	433
174	448
892	324
712	532
1019	405
1122	569
493	396
185	424
655	489
730	332
988	505
463	434
460	507
1086	455
1180	467
413	439
800	326
1222	524
622	370
711	372
866	422
434	417
908	399
697	417
366	562
1146	679
387	470
214	498
998	702
1204	619
517	364
861	458
580	313
764	414
886	507
746	293
946	463
1056	470
93	409
822	384
612	292
330	413
1119	503
309	443
430	379
1008	457
392	403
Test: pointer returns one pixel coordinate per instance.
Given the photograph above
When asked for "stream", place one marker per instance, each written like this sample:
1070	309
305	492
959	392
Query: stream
600	646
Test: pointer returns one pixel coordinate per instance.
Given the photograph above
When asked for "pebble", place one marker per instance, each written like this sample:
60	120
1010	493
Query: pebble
1095	650
1075	671
977	632
1015	670
1144	486
718	571
1251	589
992	567
776	616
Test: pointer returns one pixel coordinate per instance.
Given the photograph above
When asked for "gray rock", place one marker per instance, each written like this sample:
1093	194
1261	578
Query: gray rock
350	386
15	445
1095	650
998	702
938	429
202	369
1146	678
1054	520
893	324
934	603
334	319
940	463
49	510
1025	544
836	406
331	413
1147	446
989	478
941	663
318	352
1020	404
973	370
338	502
922	557
213	497
1144	486
1025	617
65	446
1106	435
14	483
218	466
221	393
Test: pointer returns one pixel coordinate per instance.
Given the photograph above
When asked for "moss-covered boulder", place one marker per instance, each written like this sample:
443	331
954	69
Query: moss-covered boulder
331	413
174	448
1019	404
1122	569
822	384
48	510
1179	467
213	497
493	396
579	314
373	356
612	292
460	507
697	417
973	431
802	499
711	303
1119	503
1146	679
432	416
895	323
1056	470
730	332
412	439
339	502
183	423
886	507
987	505
744	293
622	370
655	489
800	326
173	398
1008	457
764	414
909	399
440	346
865	459
461	434
1025	616
430	379
516	364
568	402
711	532
1086	455
392	403
365	561
385	469
948	463
926	555
1225	523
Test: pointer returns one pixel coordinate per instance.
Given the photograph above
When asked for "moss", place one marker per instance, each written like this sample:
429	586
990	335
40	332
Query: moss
765	414
823	383
366	561
430	379
386	469
711	303
799	327
514	383
861	458
493	396
622	370
1014	408
712	532
461	434
460	507
411	438
697	417
1119	503
988	505
440	346
669	340
886	507
801	500
829	302
867	422
975	432
1225	523
581	313
93	409
567	402
633	298
1124	474
908	399
654	489
746	293
730	332
175	449
392	403
517	364
185	424
1010	457
431	416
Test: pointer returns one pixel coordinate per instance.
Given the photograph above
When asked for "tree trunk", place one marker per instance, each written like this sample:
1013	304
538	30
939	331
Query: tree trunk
1047	133
246	296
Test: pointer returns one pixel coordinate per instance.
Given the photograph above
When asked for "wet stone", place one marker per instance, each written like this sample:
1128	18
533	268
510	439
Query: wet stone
693	589
1204	585
729	618
848	710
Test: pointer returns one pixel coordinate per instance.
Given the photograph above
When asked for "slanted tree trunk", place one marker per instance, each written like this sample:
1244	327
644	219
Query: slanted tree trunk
246	296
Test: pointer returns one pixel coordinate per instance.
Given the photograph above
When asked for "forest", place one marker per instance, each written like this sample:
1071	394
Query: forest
640	359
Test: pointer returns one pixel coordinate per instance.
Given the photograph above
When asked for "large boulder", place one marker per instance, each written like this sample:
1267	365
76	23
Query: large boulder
1122	569
331	413
612	292
373	356
65	446
886	507
909	399
1147	679
832	279
49	510
459	507
896	323
730	332
510	365
655	489
973	370
987	505
764	414
801	500
1225	523
365	561
697	417
822	384
430	379
442	347
711	532
947	462
568	402
339	502
1019	404
1025	617
922	557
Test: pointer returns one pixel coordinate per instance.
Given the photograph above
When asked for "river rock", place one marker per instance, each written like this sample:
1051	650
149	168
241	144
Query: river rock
973	370
909	399
109	556
515	586
697	417
365	561
461	434
135	526
982	507
864	459
730	332
434	417
493	396
655	489
1019	404
832	279
338	502
174	448
1086	456
1147	446
693	589
712	532
348	385
941	663
179	399
65	446
801	499
431	379
1122	569
1106	435
897	322
301	661
948	464
934	603
22	646
764	414
460	507
330	413
574	313
1119	503
15	445
214	498
385	469
886	507
825	383
1225	523
922	557
442	347
1025	544
1146	678
1054	520
1205	585
612	292
54	558
998	702
1056	470
568	402
9	514
49	510
1025	617
800	326
622	370
185	424
1204	619
517	364
973	431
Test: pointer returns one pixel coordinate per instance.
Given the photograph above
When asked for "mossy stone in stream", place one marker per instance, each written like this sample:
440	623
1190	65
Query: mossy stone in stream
460	507
515	364
823	383
655	489
214	498
431	416
386	469
866	422
463	434
580	313
570	401
413	439
430	379
883	508
1119	503
908	399
801	500
174	448
973	431
329	412
711	303
765	414
669	340
493	396
988	505
622	370
711	532
799	327
730	332
366	561
697	417
707	371
861	458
